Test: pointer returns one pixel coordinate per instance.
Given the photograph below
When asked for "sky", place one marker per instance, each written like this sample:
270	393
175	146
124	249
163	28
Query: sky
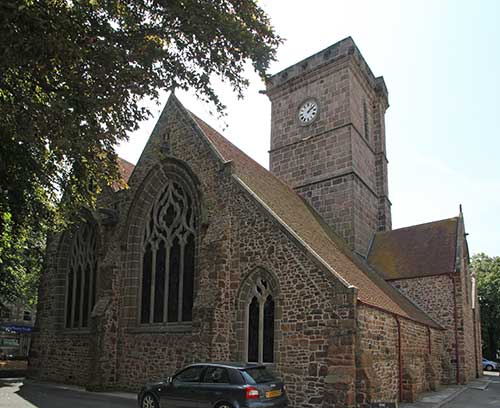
441	64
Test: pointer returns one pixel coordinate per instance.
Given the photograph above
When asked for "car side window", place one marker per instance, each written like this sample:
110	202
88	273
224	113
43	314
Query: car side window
191	374
216	375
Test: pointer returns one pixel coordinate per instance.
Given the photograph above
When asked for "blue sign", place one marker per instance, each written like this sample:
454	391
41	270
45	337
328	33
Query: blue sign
14	328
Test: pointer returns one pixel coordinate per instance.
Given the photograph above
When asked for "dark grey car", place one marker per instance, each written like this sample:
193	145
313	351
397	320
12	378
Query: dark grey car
216	385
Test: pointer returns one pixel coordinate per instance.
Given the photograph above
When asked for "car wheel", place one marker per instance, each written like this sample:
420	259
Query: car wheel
148	401
489	367
224	405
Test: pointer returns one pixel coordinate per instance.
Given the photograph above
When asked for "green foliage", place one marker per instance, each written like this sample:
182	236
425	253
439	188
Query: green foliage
487	270
21	259
72	74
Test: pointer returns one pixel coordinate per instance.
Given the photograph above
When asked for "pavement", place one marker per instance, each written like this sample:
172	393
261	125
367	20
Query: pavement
489	397
482	392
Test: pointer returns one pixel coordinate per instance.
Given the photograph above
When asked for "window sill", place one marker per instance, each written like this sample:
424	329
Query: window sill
175	328
75	331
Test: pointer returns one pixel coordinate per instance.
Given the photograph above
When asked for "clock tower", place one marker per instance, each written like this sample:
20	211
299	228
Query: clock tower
328	140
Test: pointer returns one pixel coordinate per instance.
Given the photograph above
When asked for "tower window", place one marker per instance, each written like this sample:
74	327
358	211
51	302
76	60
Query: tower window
365	119
81	278
168	258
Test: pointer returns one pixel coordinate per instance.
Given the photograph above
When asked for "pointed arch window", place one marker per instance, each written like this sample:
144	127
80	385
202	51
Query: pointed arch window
81	278
260	324
168	258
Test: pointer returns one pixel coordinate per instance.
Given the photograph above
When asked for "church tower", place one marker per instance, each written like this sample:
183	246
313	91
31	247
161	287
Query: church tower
328	140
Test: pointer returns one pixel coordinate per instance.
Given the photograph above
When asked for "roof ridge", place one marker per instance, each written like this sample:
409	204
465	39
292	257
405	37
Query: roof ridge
196	117
416	225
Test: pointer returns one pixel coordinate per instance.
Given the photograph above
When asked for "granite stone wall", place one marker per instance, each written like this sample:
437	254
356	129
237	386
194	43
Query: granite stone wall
57	353
438	296
390	348
434	295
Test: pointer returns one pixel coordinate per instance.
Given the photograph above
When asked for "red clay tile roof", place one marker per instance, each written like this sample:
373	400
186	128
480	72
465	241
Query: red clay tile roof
416	251
298	216
125	168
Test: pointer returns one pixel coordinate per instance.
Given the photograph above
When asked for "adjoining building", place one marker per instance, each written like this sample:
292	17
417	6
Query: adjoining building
208	256
16	324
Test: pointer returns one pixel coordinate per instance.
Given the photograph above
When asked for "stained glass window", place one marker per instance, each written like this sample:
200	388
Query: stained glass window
81	277
168	258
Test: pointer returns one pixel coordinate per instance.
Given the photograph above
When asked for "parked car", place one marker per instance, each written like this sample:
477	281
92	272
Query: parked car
489	365
216	385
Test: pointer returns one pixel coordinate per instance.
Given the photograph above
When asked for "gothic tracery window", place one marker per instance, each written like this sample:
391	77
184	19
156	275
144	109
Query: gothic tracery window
81	277
260	324
168	258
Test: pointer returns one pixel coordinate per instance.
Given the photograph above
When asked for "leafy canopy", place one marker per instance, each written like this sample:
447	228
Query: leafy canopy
487	270
72	74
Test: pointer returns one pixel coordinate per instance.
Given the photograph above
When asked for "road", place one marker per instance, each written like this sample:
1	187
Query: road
25	394
20	394
472	398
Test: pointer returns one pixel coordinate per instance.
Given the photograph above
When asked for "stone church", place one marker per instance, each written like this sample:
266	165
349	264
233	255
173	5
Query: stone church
207	256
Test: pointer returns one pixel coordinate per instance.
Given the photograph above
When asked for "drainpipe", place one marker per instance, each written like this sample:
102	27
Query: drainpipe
400	361
455	317
475	341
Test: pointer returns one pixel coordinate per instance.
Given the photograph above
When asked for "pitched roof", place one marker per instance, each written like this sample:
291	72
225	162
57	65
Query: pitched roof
125	168
293	211
416	251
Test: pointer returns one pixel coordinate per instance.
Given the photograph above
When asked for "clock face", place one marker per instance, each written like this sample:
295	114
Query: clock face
308	111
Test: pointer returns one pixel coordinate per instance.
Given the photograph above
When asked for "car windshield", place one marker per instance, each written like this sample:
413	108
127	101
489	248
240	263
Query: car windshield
259	375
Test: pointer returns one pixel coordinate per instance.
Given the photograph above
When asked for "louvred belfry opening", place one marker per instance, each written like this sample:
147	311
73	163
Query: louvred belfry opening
168	258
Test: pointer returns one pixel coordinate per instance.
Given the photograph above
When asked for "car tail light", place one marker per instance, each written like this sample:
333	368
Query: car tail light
251	393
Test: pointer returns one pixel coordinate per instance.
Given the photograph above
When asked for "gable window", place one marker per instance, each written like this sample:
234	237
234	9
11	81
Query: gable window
168	258
260	324
81	278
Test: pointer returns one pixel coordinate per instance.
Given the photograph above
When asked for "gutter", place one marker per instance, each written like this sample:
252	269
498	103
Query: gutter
397	315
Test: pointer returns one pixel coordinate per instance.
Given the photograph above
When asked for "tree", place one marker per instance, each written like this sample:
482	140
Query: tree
22	260
72	74
487	270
